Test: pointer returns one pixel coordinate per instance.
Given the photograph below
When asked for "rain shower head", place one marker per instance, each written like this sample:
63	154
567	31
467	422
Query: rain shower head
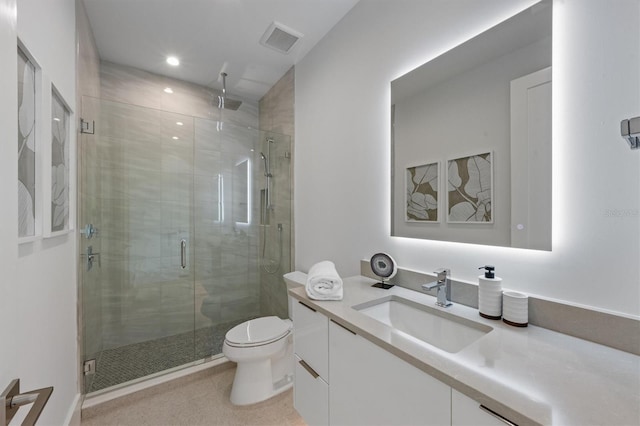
223	101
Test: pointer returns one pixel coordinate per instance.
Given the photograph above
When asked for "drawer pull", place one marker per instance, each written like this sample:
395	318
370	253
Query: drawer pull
497	416
309	369
307	306
338	324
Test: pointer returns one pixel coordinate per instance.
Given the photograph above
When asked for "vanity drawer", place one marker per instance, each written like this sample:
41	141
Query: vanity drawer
311	338
467	412
310	395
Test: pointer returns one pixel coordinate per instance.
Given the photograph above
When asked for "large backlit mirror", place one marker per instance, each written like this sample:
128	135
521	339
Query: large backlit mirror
471	139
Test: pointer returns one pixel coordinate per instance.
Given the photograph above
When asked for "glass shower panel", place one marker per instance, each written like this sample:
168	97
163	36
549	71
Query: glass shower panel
226	274
275	229
89	213
144	166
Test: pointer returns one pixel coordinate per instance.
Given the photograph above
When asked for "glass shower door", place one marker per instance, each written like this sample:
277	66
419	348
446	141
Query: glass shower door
137	190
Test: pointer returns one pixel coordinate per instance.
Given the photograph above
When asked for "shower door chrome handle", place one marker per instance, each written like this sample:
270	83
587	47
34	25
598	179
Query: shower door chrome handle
183	253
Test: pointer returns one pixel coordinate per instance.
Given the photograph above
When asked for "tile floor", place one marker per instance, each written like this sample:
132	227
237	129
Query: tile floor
126	363
198	399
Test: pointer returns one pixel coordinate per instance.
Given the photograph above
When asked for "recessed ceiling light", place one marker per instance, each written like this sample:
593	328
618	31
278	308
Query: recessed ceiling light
179	123
175	138
172	60
168	90
56	119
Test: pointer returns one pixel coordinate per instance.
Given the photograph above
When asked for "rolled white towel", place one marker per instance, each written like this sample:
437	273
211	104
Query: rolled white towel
323	282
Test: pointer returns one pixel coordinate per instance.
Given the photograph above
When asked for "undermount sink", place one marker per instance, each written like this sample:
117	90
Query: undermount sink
430	325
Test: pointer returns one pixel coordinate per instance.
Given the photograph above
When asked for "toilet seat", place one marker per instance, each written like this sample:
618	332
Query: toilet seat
258	332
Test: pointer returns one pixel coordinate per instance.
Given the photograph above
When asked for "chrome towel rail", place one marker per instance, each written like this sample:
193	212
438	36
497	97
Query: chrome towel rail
11	399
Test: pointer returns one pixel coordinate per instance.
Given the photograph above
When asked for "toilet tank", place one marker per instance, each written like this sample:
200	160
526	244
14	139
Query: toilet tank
293	280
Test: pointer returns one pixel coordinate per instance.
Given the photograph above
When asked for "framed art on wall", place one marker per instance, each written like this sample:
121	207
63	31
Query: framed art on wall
28	175
470	189
57	216
421	190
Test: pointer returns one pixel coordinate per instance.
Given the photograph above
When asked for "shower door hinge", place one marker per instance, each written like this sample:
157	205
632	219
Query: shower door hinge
287	154
89	367
87	127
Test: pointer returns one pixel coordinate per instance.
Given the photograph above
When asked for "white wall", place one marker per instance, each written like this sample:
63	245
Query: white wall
342	150
38	290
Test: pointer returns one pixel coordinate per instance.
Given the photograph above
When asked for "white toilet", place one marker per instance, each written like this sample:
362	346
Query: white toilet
263	350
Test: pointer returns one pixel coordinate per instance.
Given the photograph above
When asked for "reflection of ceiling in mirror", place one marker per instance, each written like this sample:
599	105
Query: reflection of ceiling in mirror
533	24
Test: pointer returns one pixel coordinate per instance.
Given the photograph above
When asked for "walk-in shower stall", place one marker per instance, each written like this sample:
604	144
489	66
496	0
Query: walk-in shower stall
186	222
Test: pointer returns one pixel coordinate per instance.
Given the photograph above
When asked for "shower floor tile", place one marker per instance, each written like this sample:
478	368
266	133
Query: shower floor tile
126	363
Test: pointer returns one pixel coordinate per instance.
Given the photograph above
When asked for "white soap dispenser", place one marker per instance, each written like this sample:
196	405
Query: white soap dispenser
490	294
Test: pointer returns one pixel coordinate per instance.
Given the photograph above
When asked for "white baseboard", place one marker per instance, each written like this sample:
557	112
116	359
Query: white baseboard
108	395
73	416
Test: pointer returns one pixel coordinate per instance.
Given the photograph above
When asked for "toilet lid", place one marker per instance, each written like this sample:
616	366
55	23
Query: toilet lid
259	330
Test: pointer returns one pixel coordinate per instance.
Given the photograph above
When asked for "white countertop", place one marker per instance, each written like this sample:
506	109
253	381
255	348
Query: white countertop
530	375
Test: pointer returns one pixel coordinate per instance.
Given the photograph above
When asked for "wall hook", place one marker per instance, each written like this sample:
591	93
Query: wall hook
630	130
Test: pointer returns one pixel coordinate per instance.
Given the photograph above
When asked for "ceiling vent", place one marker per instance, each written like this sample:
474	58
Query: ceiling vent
280	37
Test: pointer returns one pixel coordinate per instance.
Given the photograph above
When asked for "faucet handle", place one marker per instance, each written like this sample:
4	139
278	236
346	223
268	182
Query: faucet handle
442	273
443	284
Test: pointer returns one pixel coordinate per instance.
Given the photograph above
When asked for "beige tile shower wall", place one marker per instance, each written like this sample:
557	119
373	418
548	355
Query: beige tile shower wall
137	87
277	115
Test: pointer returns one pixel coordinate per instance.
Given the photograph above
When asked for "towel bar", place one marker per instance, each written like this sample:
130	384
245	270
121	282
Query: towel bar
11	399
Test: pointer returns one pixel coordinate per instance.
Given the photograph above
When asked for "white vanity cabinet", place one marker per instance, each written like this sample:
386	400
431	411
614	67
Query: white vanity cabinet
467	412
342	378
310	345
370	386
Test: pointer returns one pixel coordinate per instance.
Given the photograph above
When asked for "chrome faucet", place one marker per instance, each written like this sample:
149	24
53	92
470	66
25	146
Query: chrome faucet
443	284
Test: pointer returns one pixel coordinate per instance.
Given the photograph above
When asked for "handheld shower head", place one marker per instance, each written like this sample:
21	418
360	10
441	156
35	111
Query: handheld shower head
267	173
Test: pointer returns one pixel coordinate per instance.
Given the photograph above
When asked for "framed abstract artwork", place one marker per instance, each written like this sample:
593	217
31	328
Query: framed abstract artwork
57	216
28	175
421	188
470	189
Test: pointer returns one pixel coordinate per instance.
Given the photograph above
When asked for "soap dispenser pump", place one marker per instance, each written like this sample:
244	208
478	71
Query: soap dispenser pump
489	294
488	271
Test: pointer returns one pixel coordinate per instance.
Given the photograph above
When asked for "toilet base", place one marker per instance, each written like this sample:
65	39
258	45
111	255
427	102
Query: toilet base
259	379
251	385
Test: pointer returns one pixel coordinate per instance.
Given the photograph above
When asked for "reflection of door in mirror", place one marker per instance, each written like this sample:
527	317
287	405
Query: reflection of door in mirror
531	161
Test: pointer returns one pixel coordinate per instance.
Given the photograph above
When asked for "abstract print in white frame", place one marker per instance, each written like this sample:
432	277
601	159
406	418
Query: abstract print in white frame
58	221
421	189
470	189
27	172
